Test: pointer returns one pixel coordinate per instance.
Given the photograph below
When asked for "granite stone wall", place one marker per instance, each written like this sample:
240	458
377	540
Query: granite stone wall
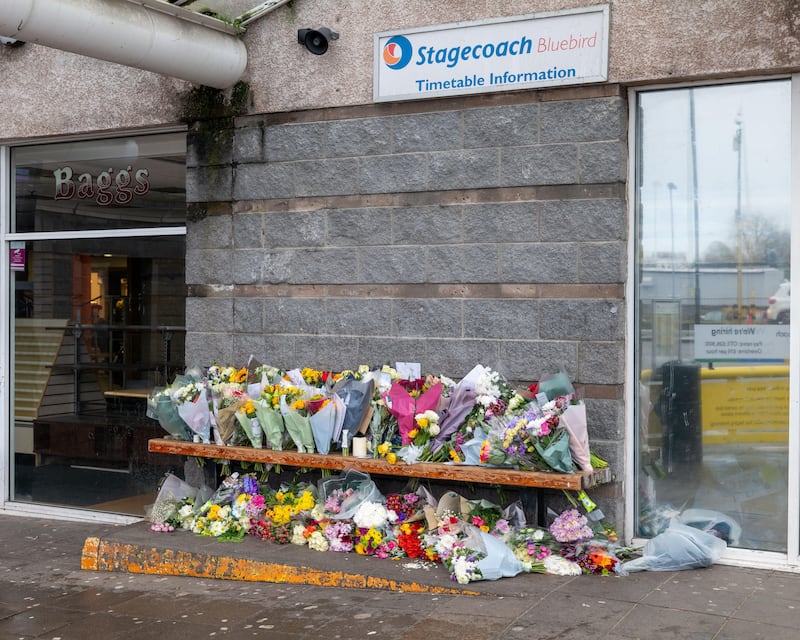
450	233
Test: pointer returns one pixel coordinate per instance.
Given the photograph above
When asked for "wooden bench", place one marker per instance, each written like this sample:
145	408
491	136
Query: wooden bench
538	480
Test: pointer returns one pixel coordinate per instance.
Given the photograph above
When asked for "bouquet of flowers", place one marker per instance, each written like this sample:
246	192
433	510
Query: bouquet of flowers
531	440
367	541
356	396
340	536
405	405
161	407
322	412
194	410
269	414
481	394
227	389
373	515
248	420
297	422
406	506
342	495
464	565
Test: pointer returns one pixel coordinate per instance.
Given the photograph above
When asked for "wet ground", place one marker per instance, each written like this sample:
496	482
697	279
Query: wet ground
44	594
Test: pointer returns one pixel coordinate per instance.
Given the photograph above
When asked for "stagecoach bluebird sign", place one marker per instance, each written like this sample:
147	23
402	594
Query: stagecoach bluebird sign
523	52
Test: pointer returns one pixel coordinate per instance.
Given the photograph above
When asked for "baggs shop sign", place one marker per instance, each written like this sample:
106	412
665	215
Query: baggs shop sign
522	52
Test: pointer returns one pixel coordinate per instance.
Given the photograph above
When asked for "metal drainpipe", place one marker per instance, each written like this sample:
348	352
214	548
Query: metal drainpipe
129	34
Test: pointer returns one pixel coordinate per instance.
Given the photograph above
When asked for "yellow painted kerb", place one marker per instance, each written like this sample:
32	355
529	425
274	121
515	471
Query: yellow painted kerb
99	555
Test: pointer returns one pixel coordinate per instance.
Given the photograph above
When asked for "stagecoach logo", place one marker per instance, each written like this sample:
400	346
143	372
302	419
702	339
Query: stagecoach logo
108	187
397	52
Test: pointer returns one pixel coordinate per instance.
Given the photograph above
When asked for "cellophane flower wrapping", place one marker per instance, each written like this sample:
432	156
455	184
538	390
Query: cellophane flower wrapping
342	495
196	413
161	407
173	490
556	452
271	422
555	385
298	426
481	556
249	423
574	421
462	399
471	449
356	396
323	424
677	548
403	406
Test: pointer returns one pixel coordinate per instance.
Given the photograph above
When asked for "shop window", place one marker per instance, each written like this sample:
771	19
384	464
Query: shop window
712	333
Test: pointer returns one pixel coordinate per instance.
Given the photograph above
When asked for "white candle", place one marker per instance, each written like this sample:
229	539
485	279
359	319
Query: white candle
360	447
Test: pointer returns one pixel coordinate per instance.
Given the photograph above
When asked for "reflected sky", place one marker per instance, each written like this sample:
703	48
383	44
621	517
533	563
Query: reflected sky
763	111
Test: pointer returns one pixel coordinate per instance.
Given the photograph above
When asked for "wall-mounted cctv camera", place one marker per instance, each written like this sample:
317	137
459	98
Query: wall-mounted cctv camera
316	40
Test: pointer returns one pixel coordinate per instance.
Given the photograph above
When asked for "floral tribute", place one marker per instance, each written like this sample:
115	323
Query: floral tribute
480	420
482	542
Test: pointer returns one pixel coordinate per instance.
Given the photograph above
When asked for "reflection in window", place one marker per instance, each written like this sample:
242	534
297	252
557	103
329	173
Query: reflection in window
713	223
128	183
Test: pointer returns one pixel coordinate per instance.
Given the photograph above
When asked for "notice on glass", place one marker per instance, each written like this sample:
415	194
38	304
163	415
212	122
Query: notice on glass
741	343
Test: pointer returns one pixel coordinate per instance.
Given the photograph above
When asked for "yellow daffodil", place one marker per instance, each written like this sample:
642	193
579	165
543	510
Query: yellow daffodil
391	458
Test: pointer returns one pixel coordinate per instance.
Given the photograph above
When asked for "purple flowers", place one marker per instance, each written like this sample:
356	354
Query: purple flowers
571	526
250	485
340	536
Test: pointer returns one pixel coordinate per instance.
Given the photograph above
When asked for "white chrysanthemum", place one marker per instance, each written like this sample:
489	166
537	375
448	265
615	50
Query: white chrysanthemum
185	511
318	512
463	570
410	453
444	545
218	527
371	515
486	399
317	541
297	535
559	566
488	383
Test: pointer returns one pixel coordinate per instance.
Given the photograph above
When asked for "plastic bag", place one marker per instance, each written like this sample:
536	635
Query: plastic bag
343	494
679	547
713	522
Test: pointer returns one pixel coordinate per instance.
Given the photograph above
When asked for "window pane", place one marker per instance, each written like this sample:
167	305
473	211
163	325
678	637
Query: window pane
129	182
712	310
96	325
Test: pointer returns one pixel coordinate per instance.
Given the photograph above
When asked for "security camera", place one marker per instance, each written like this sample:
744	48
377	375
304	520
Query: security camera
316	40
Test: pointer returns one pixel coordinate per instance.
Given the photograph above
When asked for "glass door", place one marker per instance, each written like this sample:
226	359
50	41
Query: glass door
712	311
96	319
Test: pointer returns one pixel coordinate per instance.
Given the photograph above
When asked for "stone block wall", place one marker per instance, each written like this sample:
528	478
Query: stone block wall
449	232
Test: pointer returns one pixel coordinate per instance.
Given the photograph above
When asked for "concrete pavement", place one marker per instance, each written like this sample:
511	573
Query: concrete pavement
45	594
